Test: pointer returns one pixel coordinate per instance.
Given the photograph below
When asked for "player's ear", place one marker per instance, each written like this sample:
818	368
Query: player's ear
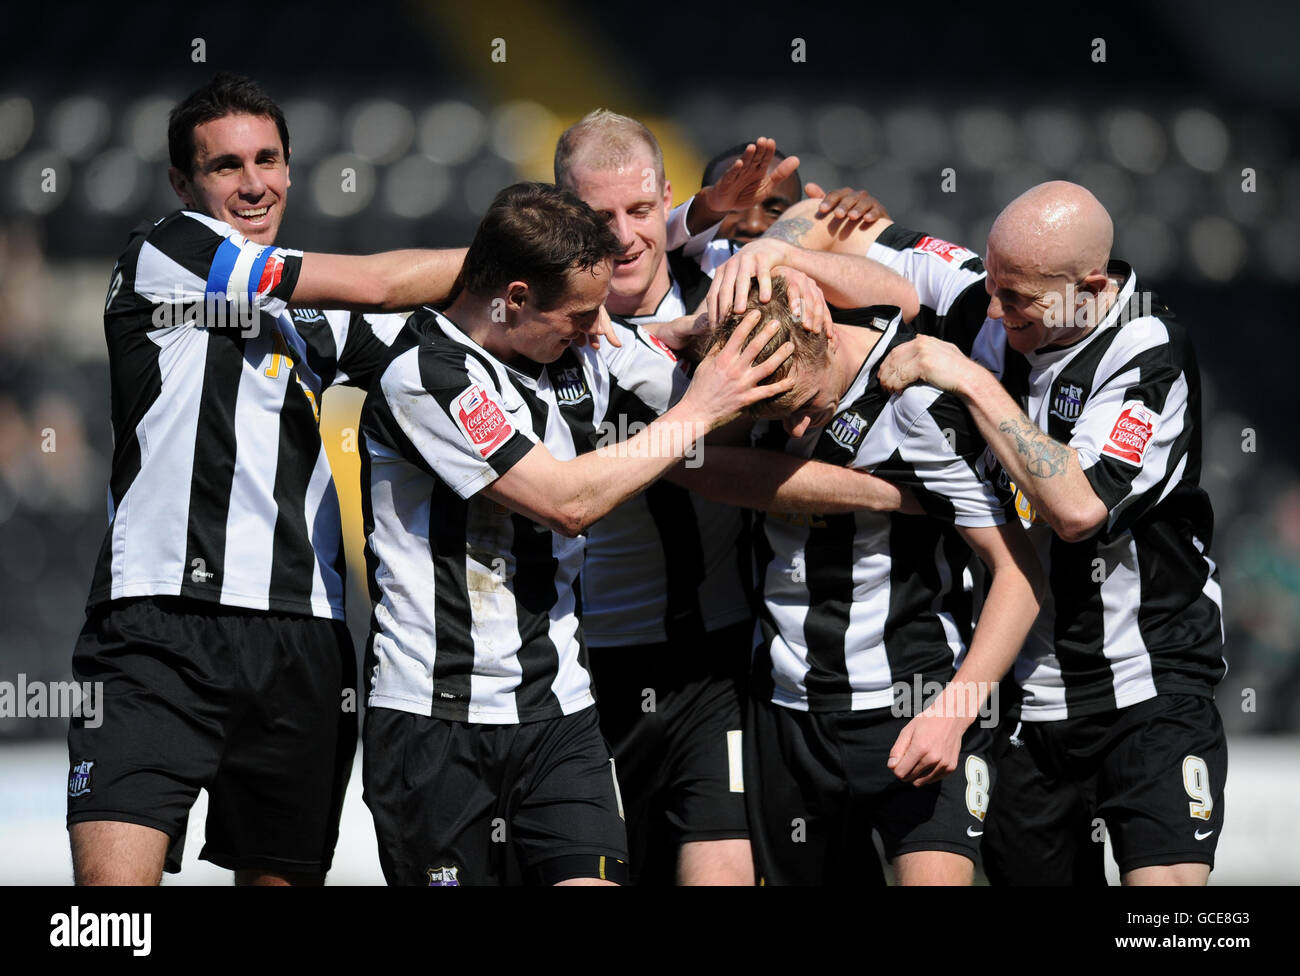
516	295
180	186
287	182
1095	282
668	195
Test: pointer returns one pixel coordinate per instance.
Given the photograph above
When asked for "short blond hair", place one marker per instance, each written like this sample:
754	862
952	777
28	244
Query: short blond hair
809	347
604	140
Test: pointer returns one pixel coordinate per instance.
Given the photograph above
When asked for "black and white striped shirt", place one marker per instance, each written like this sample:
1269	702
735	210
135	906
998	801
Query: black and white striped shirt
854	604
948	278
1135	610
220	488
474	605
666	564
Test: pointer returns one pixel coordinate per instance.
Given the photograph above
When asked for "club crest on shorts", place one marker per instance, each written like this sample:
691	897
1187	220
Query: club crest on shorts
570	386
79	777
848	429
443	877
1067	403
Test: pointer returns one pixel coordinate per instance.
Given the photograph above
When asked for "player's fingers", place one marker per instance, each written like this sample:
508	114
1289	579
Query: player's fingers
764	272
785	169
813	191
773	362
738	344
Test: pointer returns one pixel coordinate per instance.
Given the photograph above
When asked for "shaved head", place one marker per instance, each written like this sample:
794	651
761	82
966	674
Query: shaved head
1055	229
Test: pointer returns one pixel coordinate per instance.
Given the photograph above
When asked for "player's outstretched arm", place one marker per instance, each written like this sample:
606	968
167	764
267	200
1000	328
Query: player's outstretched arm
567	496
806	224
770	481
744	183
929	746
1047	471
387	282
849	281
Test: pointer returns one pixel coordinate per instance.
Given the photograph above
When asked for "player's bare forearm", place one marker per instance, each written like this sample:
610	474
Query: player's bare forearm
700	217
1010	608
568	496
929	746
1047	471
805	226
774	482
852	281
388	282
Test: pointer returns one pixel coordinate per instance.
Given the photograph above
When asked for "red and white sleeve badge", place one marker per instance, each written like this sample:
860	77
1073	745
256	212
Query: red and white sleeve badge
482	421
952	253
1132	432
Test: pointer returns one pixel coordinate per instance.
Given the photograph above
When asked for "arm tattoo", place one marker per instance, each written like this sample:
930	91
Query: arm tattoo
1044	457
792	230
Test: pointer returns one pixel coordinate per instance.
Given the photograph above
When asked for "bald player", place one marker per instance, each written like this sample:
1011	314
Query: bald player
1088	394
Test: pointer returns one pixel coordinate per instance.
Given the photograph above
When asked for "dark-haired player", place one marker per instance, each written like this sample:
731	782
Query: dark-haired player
215	616
484	760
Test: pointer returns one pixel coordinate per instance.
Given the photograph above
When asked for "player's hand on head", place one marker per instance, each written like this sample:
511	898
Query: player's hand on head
729	292
728	379
747	180
807	302
847	203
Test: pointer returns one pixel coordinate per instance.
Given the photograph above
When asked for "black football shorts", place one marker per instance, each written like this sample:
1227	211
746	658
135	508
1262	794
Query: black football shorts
1151	775
818	783
257	708
459	803
671	713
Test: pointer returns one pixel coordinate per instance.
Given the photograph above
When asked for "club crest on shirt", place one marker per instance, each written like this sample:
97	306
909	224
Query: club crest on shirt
443	877
482	421
1067	402
847	429
305	316
79	777
570	386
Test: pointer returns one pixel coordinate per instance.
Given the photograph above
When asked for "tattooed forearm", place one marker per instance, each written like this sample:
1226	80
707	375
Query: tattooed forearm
1044	457
793	230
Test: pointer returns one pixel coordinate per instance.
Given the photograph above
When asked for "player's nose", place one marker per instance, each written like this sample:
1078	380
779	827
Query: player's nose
251	183
995	308
753	222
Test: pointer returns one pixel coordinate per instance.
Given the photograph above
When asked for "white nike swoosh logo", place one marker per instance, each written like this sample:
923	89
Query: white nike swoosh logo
1202	836
973	833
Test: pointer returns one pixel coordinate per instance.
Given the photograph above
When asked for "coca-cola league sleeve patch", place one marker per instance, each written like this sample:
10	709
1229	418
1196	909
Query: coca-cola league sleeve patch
484	424
1134	429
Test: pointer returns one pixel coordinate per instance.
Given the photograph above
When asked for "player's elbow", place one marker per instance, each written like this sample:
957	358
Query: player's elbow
570	520
1080	522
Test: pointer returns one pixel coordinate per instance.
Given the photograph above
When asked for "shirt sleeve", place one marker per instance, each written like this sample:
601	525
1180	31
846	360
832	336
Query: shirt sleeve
190	258
680	236
938	459
1133	436
455	419
948	278
646	377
